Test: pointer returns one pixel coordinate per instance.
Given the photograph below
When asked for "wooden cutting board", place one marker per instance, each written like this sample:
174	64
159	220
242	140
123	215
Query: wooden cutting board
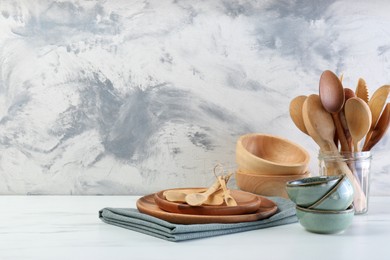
147	205
247	203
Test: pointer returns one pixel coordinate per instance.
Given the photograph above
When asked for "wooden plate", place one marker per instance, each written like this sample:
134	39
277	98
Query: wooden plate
147	205
247	203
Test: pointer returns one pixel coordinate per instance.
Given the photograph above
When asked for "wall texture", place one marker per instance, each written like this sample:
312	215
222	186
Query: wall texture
129	97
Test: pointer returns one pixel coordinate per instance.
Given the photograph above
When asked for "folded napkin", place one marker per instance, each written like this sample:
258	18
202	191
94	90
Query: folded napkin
134	220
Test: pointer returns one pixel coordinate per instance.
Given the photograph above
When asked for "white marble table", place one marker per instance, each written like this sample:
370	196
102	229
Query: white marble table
68	227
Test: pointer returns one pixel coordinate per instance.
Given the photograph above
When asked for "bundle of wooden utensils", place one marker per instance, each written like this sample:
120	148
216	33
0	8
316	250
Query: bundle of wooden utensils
354	115
338	119
216	194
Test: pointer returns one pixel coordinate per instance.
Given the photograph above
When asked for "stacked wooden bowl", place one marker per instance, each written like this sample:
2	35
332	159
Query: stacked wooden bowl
267	162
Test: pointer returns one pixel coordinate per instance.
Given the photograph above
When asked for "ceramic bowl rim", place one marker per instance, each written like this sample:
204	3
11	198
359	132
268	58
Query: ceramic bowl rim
350	209
243	173
320	180
298	164
330	192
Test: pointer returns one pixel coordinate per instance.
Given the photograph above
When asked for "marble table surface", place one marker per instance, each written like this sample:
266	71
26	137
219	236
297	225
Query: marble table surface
68	227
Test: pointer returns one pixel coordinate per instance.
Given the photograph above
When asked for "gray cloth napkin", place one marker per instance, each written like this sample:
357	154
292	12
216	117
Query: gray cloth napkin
134	220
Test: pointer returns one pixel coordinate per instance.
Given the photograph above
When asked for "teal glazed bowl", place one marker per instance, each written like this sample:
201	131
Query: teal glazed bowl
340	197
307	191
325	221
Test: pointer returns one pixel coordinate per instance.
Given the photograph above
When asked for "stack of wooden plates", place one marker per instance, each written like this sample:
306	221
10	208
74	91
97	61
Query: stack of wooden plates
250	207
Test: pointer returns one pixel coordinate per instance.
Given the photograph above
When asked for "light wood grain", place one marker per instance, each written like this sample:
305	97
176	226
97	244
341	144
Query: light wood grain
295	110
261	153
358	116
332	98
380	129
147	205
266	185
362	90
377	104
246	203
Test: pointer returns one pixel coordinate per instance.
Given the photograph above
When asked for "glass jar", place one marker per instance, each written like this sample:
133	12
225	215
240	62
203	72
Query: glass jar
356	166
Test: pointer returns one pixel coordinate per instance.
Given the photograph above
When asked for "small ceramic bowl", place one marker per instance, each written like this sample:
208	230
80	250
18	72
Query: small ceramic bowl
268	154
325	221
340	197
307	191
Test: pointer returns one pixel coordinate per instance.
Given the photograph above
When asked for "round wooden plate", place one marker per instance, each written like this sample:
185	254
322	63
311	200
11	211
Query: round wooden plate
147	205
247	203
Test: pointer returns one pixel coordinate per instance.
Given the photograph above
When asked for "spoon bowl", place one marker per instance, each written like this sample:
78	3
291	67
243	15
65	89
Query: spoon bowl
332	98
199	198
179	195
358	116
318	122
296	112
377	103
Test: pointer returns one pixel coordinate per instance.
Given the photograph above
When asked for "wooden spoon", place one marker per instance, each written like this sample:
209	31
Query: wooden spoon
361	90
380	129
376	104
296	112
319	125
348	93
358	116
197	199
179	195
332	98
229	200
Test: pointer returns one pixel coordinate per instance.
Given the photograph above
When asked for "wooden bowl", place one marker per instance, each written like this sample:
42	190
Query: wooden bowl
266	185
268	154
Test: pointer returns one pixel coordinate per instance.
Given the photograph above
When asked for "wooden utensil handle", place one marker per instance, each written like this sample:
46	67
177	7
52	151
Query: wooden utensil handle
197	199
344	124
340	132
229	200
360	201
212	189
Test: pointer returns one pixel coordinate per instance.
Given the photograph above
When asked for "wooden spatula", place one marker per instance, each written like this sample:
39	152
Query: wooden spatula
380	129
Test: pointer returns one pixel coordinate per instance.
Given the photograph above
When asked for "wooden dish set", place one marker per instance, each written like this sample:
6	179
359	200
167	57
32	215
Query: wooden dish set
250	207
267	162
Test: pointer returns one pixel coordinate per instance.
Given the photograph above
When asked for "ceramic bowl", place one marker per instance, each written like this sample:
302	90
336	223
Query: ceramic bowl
340	197
325	221
307	191
266	185
268	154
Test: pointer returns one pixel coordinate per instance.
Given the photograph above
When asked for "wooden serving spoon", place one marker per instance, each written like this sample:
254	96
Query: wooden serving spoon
319	125
376	104
197	199
332	98
380	129
296	112
358	116
361	90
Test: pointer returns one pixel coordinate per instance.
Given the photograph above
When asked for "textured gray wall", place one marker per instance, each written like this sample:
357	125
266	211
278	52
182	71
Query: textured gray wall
129	97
